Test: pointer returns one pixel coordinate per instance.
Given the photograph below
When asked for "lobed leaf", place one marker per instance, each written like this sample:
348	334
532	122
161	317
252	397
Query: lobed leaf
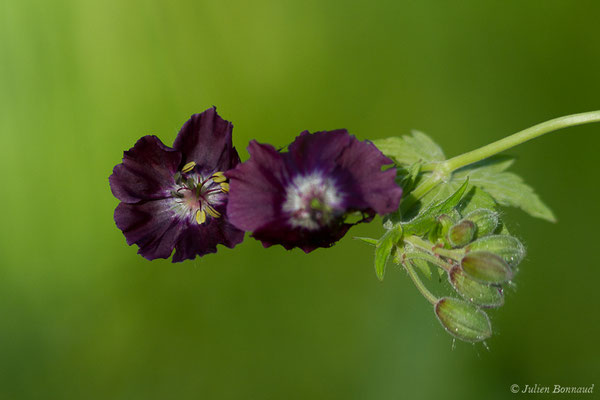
506	188
407	150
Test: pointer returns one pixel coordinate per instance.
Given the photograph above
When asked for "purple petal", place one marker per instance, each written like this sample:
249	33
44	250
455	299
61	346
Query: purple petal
151	225
206	139
203	239
146	172
257	188
279	232
157	230
319	150
364	162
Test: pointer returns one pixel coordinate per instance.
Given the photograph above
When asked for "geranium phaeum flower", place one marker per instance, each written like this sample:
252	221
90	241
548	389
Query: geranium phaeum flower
175	198
301	198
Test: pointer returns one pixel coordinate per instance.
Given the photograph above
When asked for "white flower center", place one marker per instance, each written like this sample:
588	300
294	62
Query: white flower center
195	196
312	201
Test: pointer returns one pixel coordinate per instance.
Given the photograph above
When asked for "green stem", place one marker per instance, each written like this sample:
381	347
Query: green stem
415	278
430	258
423	244
515	139
441	171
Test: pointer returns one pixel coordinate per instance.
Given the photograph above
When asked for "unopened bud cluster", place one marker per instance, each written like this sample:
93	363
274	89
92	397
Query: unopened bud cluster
477	259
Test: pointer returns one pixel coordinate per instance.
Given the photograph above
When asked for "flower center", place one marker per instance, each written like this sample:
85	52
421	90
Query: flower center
196	194
312	201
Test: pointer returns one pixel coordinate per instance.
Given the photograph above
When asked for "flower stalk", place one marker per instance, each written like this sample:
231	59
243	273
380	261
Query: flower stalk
440	171
419	284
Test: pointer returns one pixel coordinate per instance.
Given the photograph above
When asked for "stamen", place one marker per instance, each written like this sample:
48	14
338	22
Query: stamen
178	179
211	211
212	191
188	167
218	177
200	217
225	187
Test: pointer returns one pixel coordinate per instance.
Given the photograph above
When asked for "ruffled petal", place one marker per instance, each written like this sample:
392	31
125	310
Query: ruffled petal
146	172
151	225
206	139
378	188
203	239
279	232
257	188
317	151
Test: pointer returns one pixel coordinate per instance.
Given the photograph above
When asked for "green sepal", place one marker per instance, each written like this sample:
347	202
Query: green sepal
367	240
485	220
462	233
486	267
483	295
384	248
505	246
463	320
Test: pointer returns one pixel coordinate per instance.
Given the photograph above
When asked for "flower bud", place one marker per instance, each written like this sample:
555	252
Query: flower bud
505	246
478	293
486	267
486	221
462	233
463	320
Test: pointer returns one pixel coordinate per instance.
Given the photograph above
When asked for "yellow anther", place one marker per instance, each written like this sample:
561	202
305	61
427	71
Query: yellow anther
188	167
211	211
225	187
218	177
200	217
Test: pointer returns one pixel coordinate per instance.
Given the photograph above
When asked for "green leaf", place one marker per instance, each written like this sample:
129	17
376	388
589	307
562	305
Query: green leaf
474	199
506	188
408	177
407	150
421	224
384	249
367	240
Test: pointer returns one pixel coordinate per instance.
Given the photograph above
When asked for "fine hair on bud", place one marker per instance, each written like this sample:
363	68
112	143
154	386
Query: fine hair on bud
463	320
486	267
509	248
481	294
485	220
462	233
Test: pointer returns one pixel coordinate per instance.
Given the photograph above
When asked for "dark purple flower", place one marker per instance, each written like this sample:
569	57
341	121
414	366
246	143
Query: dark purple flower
301	198
175	198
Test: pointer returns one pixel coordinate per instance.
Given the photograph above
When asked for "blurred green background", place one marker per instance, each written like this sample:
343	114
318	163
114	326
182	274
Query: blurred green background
83	316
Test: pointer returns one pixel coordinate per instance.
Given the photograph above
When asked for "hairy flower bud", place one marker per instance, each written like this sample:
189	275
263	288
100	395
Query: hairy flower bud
462	233
476	292
463	320
505	246
486	267
486	221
